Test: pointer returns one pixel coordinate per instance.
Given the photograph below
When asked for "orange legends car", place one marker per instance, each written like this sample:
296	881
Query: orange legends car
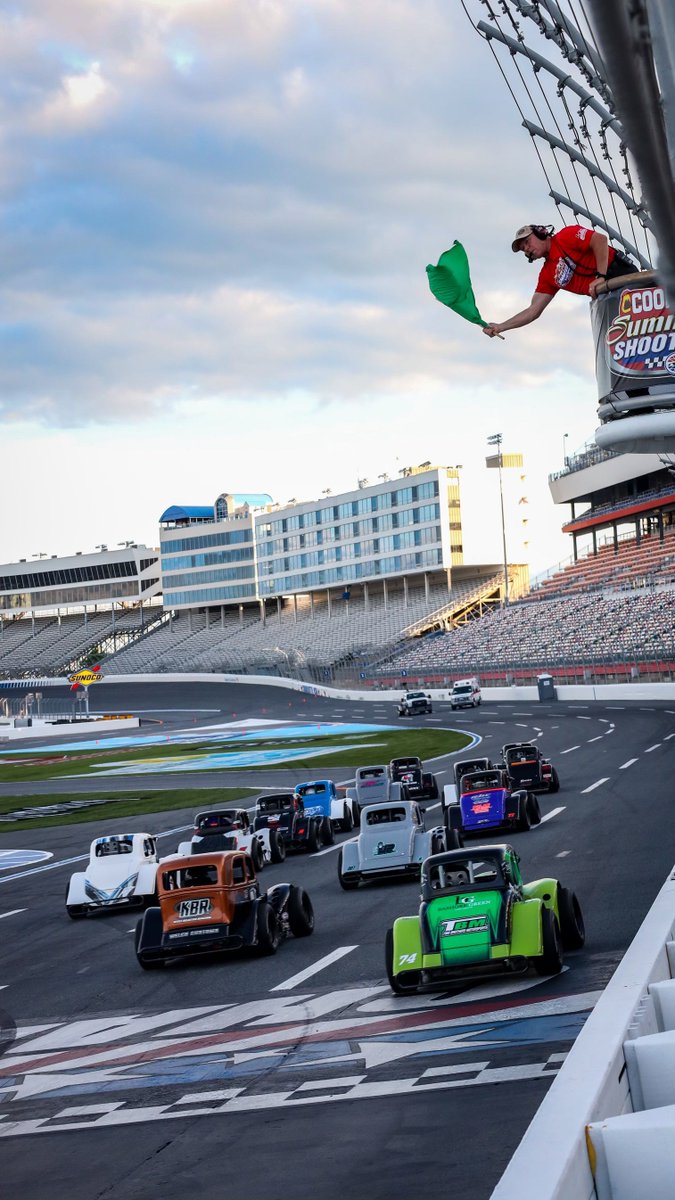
209	903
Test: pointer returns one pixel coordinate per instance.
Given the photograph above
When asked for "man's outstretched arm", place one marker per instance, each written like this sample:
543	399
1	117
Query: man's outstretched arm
538	303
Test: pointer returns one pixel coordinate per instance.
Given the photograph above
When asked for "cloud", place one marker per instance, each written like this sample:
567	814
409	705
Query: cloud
242	199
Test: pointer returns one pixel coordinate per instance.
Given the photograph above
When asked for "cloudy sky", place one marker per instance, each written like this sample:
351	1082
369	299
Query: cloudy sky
216	217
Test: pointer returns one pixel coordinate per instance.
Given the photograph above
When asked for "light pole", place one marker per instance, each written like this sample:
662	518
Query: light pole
565	437
495	439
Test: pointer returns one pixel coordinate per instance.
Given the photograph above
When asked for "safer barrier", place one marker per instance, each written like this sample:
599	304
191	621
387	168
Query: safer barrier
606	1128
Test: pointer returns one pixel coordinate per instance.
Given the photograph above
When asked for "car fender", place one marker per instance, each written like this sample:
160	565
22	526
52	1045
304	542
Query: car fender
526	927
184	849
337	808
395	791
407	945
421	846
147	878
351	856
352	795
449	795
278	896
76	892
545	890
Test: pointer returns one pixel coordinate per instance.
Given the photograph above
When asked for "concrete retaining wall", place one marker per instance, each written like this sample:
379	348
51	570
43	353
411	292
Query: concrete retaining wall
592	1092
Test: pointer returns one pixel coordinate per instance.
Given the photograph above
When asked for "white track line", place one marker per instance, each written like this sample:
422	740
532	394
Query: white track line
563	853
595	785
330	849
553	813
569	749
629	763
12	913
668	737
654	747
315	967
596	739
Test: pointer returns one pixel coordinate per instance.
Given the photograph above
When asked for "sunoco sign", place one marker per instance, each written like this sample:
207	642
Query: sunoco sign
635	339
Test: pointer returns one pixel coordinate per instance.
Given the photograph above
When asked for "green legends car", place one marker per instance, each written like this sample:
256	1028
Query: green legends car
477	918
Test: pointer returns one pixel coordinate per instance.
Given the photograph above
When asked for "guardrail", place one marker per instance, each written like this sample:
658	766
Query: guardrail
606	1128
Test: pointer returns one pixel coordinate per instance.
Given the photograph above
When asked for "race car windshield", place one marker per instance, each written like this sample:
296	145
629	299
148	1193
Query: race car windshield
208	821
462	690
114	845
312	789
385	816
374	774
463	873
275	803
188	877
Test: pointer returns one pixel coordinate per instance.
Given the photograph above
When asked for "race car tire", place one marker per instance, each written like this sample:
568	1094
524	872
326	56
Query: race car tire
327	832
533	810
300	912
257	856
572	929
266	929
405	982
277	847
430	785
347	820
150	923
554	785
75	911
550	962
524	819
454	839
348	883
313	840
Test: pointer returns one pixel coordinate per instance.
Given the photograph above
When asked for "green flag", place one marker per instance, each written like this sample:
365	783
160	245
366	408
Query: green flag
450	283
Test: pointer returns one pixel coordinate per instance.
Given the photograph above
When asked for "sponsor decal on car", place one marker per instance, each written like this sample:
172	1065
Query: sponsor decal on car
187	910
460	925
481	808
385	848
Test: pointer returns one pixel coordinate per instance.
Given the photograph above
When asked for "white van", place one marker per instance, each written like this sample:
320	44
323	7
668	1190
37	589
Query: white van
465	693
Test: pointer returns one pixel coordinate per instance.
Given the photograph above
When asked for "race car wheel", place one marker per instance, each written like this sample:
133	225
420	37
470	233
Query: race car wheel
554	785
533	810
300	912
347	820
550	961
267	929
454	839
257	856
349	883
327	832
404	983
430	785
277	847
148	930
524	817
74	910
313	837
572	929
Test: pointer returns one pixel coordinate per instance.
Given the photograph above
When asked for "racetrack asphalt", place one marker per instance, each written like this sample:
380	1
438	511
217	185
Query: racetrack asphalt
236	1078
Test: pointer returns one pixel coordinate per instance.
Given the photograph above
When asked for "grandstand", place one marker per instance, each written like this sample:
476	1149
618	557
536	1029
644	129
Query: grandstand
610	612
248	585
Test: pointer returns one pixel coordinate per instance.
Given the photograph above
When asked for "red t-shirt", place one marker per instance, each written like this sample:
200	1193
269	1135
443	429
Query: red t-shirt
570	263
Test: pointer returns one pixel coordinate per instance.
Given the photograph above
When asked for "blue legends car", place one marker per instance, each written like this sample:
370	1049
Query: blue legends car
485	801
320	798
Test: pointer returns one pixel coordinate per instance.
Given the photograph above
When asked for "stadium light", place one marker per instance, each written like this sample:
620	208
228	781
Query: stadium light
495	439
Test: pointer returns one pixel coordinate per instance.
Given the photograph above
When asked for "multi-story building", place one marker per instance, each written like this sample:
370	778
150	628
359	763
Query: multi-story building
245	549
